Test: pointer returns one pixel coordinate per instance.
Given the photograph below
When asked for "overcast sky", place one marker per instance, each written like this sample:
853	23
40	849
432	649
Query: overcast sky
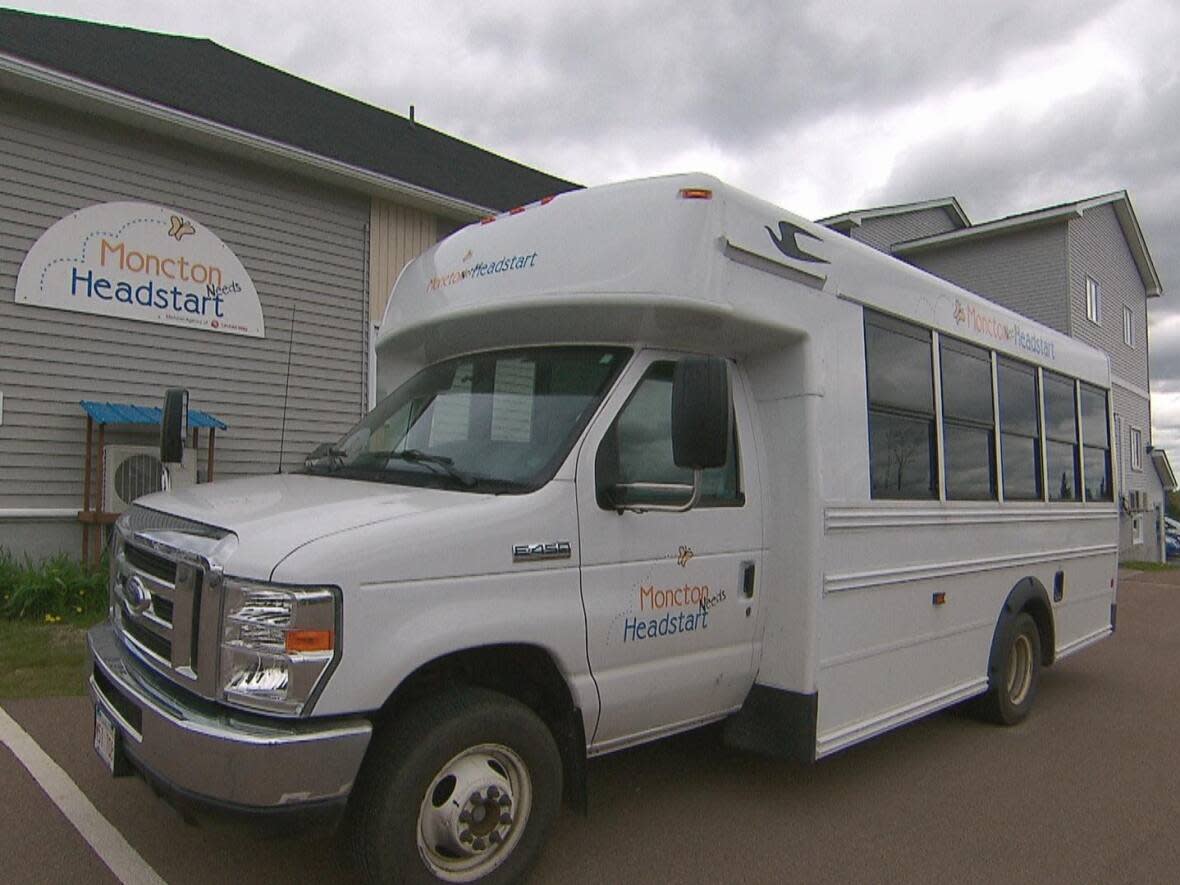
820	107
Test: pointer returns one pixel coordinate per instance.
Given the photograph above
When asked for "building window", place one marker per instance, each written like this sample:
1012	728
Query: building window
1096	445
1093	301
1128	328
1061	438
1136	448
900	379
1020	430
968	421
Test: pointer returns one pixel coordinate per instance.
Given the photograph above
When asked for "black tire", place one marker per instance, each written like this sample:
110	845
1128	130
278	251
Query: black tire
1014	671
410	788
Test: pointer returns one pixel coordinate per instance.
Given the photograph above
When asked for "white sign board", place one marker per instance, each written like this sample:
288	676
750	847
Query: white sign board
141	262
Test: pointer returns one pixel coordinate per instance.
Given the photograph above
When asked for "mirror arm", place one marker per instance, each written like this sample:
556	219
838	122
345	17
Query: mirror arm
692	501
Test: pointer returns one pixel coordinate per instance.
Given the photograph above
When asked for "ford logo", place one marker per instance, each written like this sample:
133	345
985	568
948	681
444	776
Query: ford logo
138	598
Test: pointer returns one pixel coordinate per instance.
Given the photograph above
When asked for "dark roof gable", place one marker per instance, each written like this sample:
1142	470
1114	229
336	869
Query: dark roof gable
201	78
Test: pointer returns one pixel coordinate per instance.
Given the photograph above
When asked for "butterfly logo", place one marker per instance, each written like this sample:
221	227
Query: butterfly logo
684	556
960	314
180	228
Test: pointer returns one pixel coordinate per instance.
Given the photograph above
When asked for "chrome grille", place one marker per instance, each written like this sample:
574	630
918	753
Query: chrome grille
164	606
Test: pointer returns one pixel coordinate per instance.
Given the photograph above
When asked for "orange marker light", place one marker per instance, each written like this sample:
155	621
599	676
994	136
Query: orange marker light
695	193
309	640
487	219
516	211
938	598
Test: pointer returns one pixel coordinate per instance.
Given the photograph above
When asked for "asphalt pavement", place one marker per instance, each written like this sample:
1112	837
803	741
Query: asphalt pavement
1086	790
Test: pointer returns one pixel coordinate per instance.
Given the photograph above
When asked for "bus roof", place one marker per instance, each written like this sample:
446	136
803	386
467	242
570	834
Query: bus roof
648	261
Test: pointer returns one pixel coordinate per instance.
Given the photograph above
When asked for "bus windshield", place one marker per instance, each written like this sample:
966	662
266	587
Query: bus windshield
495	422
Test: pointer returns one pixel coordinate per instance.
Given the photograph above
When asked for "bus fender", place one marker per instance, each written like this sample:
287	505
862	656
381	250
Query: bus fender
1027	596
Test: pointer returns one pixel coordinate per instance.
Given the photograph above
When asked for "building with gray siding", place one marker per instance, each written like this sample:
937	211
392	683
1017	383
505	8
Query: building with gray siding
322	199
1082	268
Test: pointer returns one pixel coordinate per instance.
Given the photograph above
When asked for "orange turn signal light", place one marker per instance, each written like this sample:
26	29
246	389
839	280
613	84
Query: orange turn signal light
309	640
696	193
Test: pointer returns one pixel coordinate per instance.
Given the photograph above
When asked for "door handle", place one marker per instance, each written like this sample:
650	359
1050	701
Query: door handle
748	580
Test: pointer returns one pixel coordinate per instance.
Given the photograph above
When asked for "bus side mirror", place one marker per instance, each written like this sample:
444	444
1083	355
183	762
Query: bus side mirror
702	413
173	425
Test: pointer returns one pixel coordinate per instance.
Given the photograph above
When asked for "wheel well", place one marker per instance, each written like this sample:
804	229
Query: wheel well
523	672
1029	596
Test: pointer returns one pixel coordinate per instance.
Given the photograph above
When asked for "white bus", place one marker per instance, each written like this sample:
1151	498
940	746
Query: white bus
653	455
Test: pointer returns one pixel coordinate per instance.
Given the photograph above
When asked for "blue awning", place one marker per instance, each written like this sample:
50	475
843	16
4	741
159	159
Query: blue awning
128	413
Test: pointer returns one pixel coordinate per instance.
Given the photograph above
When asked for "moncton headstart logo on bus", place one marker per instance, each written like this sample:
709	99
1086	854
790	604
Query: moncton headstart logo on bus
482	269
141	262
989	326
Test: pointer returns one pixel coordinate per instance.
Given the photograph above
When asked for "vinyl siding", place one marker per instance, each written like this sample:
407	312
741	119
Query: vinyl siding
1133	410
1098	249
303	245
398	234
885	231
1026	271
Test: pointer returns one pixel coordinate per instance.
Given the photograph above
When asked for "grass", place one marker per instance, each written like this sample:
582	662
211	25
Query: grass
45	608
42	660
1143	566
54	590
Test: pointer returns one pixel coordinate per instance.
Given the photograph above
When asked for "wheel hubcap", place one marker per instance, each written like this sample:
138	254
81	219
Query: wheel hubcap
474	812
1020	665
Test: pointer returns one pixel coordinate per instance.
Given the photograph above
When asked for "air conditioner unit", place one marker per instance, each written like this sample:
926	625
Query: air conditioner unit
132	471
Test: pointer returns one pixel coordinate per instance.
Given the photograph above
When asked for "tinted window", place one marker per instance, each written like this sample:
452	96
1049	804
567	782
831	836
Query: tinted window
1020	430
900	385
1018	398
1060	416
1097	464
966	382
902	453
898	355
1095	430
968	441
1062	469
1096	445
968	455
1021	456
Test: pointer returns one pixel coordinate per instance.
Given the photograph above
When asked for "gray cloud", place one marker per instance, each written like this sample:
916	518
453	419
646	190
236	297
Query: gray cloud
789	99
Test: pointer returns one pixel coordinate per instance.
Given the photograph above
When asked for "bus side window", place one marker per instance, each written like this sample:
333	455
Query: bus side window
638	449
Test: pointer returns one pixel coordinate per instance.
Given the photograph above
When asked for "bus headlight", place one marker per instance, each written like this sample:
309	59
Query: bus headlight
277	644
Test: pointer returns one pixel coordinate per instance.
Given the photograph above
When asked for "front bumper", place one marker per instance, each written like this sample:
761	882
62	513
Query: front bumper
221	757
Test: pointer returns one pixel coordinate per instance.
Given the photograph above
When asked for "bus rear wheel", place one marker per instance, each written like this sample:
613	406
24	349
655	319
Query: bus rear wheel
1014	673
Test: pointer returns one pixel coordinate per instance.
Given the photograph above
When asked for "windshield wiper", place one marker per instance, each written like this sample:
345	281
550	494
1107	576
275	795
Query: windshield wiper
325	452
417	456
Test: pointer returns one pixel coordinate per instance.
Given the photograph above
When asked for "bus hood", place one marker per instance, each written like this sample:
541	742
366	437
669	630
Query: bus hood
275	515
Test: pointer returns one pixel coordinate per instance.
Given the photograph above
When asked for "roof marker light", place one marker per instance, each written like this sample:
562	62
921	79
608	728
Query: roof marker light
516	211
487	219
696	193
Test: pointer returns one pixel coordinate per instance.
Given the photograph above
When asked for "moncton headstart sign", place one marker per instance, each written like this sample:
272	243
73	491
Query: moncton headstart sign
141	262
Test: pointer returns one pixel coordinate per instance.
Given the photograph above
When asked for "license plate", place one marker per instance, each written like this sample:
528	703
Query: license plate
106	739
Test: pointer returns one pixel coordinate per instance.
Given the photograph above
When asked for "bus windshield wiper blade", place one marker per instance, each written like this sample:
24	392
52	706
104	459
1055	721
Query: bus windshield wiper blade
417	456
326	452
